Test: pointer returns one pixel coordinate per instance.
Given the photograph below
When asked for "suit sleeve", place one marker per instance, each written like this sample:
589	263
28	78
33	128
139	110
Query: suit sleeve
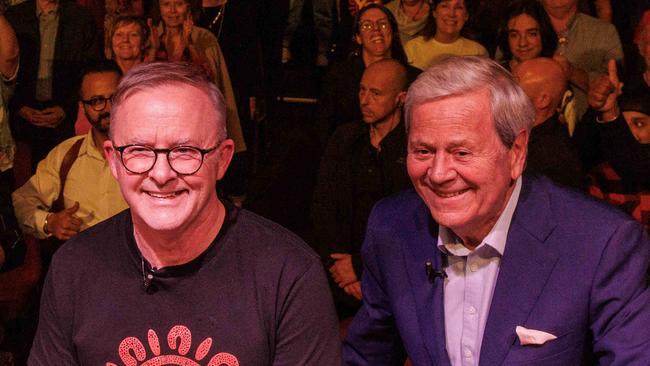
373	338
620	300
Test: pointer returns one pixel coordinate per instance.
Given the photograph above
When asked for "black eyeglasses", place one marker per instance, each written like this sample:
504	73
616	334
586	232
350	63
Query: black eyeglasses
184	160
97	103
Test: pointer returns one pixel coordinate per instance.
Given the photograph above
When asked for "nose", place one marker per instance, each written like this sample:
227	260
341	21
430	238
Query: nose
363	98
441	169
523	41
162	173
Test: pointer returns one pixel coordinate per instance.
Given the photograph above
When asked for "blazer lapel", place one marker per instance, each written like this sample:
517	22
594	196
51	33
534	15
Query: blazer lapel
524	270
419	248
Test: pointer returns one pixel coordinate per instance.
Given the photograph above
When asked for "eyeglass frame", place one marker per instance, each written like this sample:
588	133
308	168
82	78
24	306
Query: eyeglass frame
381	24
104	100
156	152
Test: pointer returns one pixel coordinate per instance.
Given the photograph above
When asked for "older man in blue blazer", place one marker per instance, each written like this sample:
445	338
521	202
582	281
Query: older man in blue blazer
484	265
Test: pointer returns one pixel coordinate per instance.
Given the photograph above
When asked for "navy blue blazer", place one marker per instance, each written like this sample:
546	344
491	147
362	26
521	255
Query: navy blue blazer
572	266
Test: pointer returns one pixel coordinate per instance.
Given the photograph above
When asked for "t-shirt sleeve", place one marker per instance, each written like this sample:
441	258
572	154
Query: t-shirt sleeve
53	342
307	330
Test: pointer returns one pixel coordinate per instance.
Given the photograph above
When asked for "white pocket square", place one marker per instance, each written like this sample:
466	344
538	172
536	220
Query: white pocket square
532	336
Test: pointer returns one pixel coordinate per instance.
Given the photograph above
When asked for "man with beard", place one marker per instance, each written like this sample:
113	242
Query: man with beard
73	188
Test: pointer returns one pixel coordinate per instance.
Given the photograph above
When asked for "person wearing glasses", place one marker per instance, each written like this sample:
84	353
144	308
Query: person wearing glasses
376	36
182	277
49	206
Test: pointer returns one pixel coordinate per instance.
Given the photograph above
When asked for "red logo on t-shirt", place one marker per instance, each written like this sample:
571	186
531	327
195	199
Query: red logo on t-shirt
179	339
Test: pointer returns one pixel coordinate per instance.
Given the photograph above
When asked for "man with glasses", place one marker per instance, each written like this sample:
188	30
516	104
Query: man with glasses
73	188
182	277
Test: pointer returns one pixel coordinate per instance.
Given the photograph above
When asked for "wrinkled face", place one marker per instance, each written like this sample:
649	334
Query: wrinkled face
161	199
127	42
174	12
639	124
451	16
375	34
97	86
524	38
458	164
378	97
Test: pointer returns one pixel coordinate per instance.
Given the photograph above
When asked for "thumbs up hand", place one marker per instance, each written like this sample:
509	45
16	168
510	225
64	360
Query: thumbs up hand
604	90
64	224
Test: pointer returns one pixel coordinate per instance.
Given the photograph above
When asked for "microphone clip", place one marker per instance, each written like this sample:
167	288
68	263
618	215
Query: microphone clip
433	273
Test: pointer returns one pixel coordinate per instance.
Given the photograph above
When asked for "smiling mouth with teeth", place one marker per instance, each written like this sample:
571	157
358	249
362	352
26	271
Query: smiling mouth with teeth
163	195
453	194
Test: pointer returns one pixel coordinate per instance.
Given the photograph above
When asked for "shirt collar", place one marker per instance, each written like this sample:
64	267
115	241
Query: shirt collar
450	243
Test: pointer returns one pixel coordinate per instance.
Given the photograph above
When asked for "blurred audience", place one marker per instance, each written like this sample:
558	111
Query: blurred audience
56	39
376	38
551	152
176	38
441	36
73	188
617	139
585	45
363	163
323	24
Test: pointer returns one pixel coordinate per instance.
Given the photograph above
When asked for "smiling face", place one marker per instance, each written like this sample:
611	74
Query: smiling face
127	42
459	166
524	37
450	16
161	199
377	37
174	12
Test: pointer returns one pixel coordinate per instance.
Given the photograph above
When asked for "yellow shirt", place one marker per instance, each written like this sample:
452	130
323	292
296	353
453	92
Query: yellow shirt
89	182
423	54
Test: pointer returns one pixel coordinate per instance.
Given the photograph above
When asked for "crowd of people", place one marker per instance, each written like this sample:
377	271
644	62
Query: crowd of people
573	75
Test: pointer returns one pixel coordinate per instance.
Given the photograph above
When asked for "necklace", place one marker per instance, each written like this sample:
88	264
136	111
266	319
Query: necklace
417	11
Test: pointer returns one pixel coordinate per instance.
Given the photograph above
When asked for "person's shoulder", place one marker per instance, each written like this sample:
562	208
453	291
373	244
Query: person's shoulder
93	245
573	211
347	132
401	211
264	238
587	23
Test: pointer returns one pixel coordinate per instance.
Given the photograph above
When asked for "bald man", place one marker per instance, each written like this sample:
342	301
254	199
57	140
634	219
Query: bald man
550	149
364	162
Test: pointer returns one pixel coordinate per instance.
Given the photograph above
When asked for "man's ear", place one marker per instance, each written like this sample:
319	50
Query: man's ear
517	154
542	101
401	97
111	157
357	38
225	152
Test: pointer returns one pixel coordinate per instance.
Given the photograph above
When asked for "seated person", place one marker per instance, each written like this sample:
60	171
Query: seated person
620	146
363	163
441	37
377	38
48	205
551	151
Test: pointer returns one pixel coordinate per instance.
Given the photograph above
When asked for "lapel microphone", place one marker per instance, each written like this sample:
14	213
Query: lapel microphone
147	279
433	273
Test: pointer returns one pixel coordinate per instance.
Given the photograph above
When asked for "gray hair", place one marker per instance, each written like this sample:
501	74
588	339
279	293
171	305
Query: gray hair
148	76
512	111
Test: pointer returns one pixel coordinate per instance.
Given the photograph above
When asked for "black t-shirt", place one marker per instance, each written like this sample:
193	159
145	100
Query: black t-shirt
256	296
